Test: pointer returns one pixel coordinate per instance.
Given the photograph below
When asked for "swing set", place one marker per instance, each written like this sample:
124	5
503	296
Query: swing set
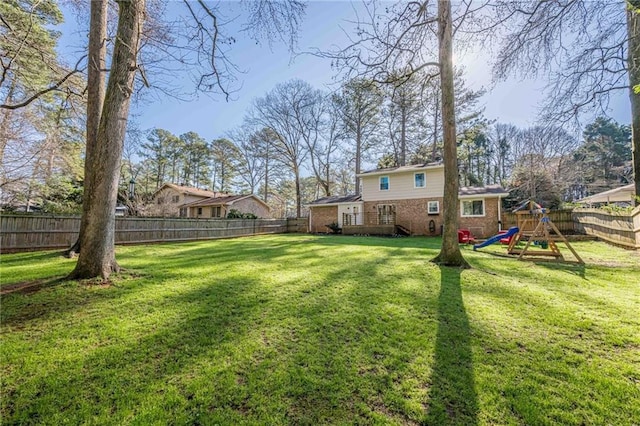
539	232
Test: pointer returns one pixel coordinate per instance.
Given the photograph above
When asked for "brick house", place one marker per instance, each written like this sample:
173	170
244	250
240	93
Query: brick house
167	200
409	198
220	206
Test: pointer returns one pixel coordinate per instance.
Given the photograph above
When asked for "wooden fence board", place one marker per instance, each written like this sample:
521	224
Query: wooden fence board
619	228
561	218
38	232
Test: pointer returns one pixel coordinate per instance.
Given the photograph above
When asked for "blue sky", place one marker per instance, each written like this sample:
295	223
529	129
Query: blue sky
513	101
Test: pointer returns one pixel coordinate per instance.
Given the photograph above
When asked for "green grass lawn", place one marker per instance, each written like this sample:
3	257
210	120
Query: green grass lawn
300	329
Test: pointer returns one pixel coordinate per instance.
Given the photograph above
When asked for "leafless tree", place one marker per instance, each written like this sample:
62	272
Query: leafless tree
501	138
591	49
359	103
205	52
542	151
328	153
403	114
390	46
279	110
251	164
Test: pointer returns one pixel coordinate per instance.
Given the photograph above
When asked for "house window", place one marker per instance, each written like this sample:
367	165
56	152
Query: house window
175	199
384	183
473	208
386	214
199	211
419	180
183	212
433	207
160	200
215	211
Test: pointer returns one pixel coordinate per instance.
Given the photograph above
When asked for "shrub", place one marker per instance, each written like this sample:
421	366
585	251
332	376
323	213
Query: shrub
335	228
235	214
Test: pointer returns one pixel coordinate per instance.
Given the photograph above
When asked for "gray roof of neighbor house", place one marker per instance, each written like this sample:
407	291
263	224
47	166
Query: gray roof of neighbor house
470	191
223	200
401	169
616	195
336	199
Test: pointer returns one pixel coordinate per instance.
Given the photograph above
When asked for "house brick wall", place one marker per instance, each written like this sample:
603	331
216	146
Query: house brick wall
320	216
412	214
482	227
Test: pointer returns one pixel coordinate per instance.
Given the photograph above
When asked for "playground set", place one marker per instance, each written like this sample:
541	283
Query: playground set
538	233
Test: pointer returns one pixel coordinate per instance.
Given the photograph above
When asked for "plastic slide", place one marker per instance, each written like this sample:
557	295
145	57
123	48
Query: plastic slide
512	231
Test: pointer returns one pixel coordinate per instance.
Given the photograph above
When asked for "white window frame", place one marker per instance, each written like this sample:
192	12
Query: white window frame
380	183
424	180
471	200
386	214
430	203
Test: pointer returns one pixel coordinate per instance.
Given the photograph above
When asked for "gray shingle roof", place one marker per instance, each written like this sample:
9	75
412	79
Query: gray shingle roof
468	191
335	199
401	169
215	201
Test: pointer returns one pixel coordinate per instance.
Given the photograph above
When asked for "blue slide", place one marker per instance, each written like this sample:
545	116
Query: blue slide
512	231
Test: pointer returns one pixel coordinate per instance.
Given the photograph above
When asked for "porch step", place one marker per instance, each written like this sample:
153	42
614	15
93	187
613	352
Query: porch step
401	230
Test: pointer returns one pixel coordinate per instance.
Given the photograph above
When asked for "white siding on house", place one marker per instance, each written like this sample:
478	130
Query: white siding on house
350	208
401	186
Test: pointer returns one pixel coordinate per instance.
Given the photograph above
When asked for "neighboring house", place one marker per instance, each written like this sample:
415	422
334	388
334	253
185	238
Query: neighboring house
411	197
220	206
622	195
168	199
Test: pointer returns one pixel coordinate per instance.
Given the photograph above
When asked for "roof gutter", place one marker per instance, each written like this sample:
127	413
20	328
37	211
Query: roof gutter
397	171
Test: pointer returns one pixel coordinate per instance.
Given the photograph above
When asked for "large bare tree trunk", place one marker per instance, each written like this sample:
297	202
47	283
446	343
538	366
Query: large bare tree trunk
102	164
402	158
358	156
95	88
450	254
633	28
298	195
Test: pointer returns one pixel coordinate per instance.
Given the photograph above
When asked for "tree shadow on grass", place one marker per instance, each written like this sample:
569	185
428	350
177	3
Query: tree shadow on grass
452	397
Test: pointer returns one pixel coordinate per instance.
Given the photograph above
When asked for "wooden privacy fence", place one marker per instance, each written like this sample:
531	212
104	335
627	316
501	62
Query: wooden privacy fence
29	232
561	218
620	228
299	225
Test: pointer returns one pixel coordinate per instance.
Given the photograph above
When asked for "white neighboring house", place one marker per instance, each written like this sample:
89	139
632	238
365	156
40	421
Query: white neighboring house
622	195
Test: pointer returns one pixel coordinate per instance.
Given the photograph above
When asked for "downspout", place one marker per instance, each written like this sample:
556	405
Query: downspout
499	214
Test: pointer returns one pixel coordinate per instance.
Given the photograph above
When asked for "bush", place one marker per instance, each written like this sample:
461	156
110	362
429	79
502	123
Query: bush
335	228
235	214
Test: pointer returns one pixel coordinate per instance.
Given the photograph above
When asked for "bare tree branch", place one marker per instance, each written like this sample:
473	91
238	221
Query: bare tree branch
53	87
